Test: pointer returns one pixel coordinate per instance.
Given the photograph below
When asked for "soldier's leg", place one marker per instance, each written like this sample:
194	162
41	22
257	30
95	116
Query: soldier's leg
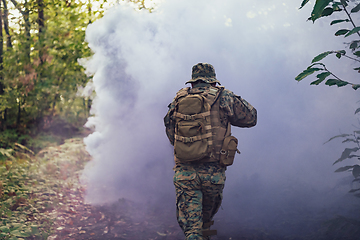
212	188
188	203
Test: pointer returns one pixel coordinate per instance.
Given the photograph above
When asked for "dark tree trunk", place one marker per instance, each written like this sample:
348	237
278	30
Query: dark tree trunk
6	25
41	26
2	87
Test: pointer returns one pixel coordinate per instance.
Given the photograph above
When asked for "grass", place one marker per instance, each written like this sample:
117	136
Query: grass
31	186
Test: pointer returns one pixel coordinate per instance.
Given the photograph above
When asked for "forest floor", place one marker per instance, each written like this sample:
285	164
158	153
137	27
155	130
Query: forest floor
44	198
74	219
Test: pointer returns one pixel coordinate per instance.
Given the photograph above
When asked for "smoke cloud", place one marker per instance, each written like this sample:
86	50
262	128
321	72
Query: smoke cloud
257	47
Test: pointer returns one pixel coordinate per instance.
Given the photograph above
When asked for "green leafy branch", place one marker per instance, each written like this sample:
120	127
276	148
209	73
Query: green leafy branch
350	153
324	8
317	66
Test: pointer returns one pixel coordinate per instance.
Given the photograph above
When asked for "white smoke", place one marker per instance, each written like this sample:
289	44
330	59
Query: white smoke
257	48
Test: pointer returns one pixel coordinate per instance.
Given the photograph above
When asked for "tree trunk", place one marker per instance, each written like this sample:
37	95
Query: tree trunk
6	25
27	32
26	15
41	26
2	87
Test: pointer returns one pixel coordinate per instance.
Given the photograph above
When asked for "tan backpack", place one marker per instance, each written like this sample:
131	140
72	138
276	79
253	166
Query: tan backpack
193	133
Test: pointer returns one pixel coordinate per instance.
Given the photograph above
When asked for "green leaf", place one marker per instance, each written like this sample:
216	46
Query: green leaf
7	153
321	56
346	154
354	190
357	53
316	82
356	171
336	6
350	140
344	2
306	73
339	21
356	9
5	229
339	83
354	45
303	3
319	8
34	229
327	12
18	233
321	77
340	53
338	136
354	30
343	169
355	86
341	32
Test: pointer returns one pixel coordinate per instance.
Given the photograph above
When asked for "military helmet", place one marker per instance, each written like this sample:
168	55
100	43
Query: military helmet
203	72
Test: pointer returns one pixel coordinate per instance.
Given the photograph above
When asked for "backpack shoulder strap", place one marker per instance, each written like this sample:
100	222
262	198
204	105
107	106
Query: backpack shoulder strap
182	93
213	94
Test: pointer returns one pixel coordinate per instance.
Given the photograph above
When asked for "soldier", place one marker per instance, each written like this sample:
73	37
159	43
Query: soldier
198	124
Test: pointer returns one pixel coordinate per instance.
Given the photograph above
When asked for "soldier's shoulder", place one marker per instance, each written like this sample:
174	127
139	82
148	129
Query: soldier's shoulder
226	92
185	89
182	92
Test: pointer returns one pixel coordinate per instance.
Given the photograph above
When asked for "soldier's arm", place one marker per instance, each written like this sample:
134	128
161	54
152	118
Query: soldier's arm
170	123
240	113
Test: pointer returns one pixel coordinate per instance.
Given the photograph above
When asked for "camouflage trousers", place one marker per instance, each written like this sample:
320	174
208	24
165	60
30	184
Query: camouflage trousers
199	190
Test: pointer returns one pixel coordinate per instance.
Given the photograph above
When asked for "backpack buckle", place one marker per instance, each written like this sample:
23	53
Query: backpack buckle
188	117
188	139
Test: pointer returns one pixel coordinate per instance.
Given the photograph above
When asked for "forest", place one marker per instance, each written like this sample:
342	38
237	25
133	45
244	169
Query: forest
43	111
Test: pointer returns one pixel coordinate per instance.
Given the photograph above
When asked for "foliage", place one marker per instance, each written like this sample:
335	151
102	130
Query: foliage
31	189
325	8
39	71
41	75
350	153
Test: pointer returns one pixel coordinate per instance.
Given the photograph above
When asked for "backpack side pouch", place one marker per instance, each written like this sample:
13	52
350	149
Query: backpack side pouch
228	150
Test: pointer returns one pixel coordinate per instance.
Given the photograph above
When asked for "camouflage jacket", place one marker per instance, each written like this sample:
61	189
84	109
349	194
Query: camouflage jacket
235	110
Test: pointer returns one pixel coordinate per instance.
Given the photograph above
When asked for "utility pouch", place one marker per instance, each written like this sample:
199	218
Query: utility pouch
228	150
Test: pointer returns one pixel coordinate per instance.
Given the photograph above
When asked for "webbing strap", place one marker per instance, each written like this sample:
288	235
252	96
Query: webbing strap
208	224
192	139
207	233
192	117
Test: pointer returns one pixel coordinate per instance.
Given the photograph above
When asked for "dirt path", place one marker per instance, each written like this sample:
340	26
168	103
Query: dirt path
75	219
78	220
121	220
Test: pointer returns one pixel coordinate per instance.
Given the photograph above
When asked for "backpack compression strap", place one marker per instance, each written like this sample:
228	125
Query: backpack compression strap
193	116
193	139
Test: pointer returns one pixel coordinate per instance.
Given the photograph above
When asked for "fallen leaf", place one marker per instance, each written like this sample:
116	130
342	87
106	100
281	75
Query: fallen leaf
161	234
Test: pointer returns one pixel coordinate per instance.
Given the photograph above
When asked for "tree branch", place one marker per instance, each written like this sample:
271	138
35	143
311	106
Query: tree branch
350	17
18	7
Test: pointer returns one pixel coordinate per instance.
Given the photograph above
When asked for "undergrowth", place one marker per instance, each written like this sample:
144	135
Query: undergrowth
32	187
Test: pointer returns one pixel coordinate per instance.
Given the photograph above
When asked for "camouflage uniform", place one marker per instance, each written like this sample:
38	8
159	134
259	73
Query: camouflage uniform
199	185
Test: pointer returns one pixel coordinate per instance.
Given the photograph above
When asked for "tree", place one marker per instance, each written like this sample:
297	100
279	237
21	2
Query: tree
325	8
41	74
